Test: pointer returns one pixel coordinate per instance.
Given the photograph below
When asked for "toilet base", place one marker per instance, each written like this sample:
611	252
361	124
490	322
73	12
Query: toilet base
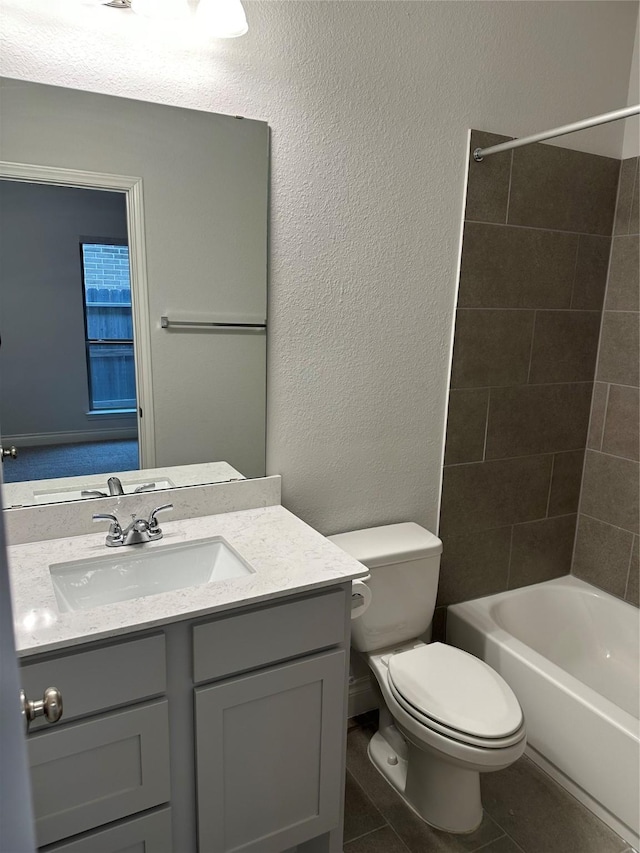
442	794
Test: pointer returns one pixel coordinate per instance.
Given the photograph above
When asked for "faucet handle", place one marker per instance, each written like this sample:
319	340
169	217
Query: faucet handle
153	521
115	530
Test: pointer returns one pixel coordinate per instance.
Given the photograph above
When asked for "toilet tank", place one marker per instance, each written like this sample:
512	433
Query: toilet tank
404	562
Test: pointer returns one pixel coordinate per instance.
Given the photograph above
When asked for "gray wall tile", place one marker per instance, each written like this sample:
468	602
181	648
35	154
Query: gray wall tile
628	176
623	293
602	554
491	348
633	219
592	266
598	411
565	346
474	564
622	424
633	582
554	187
466	425
488	183
535	419
565	483
541	550
483	495
618	360
506	267
610	490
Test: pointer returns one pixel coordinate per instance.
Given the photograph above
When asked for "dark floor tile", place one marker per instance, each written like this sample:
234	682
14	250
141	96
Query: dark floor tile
381	841
632	592
360	815
592	266
565	345
488	184
566	480
541	550
598	411
502	845
537	419
624	274
610	490
618	360
418	836
484	495
622	424
628	178
466	425
474	565
602	555
554	187
541	816
491	348
504	267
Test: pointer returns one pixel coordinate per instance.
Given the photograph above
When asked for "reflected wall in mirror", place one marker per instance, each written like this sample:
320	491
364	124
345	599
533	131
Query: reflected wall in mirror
200	222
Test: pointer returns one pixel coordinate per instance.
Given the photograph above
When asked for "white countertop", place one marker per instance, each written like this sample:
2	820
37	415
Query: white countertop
288	557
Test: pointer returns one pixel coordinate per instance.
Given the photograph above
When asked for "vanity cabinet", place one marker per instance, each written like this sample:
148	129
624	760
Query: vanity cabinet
229	730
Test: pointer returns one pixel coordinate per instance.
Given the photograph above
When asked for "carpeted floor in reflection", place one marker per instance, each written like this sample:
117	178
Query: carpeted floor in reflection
72	460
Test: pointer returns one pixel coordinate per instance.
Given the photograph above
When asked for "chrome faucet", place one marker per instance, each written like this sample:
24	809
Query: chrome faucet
115	486
138	531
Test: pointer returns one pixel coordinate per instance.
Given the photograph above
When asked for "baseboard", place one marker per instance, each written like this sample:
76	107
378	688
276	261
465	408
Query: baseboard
362	697
71	437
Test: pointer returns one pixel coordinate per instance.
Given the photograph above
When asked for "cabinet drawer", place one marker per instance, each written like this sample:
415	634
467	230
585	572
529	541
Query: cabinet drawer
150	833
245	641
100	678
91	773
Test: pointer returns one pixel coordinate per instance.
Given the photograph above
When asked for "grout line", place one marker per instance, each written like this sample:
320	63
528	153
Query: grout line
553	465
534	385
633	193
605	412
486	426
608	523
626	586
575	271
524	456
568	310
538	228
506	221
367	834
533	337
612	455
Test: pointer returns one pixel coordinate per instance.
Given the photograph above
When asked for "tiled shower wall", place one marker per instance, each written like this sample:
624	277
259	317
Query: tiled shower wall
606	550
537	237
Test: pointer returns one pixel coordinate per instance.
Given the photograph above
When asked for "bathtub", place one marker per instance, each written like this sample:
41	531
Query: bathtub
570	653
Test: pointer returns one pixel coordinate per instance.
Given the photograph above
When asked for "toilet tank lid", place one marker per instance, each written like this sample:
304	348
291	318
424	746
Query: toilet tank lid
392	543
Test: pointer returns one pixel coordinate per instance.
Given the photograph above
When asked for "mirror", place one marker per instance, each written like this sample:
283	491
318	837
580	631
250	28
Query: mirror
192	189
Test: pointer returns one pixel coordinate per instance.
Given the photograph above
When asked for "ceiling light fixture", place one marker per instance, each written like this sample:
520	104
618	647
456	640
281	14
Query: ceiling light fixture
219	18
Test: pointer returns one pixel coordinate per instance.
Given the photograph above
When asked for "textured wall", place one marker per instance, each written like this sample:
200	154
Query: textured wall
607	543
369	105
535	250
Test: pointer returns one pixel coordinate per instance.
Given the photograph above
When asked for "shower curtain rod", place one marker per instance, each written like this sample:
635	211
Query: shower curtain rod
480	153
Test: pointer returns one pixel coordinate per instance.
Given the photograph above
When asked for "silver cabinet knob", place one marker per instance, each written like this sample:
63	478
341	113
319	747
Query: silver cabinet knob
9	453
49	707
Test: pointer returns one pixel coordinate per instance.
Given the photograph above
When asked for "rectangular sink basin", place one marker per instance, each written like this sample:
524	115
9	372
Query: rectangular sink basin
134	571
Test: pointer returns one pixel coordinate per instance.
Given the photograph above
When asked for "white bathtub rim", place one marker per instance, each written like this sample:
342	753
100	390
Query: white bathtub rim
476	612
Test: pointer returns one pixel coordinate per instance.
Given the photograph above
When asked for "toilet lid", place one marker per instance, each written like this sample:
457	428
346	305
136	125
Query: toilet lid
456	689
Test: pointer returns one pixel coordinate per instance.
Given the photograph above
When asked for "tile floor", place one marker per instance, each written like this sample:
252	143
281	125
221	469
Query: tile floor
525	812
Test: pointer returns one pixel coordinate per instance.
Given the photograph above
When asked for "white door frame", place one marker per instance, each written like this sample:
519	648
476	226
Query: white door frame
132	188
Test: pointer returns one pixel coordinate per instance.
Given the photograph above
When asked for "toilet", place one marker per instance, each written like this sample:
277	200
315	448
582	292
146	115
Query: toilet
445	716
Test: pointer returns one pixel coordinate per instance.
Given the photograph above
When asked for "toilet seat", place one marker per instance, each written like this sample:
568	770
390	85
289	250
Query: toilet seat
457	695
